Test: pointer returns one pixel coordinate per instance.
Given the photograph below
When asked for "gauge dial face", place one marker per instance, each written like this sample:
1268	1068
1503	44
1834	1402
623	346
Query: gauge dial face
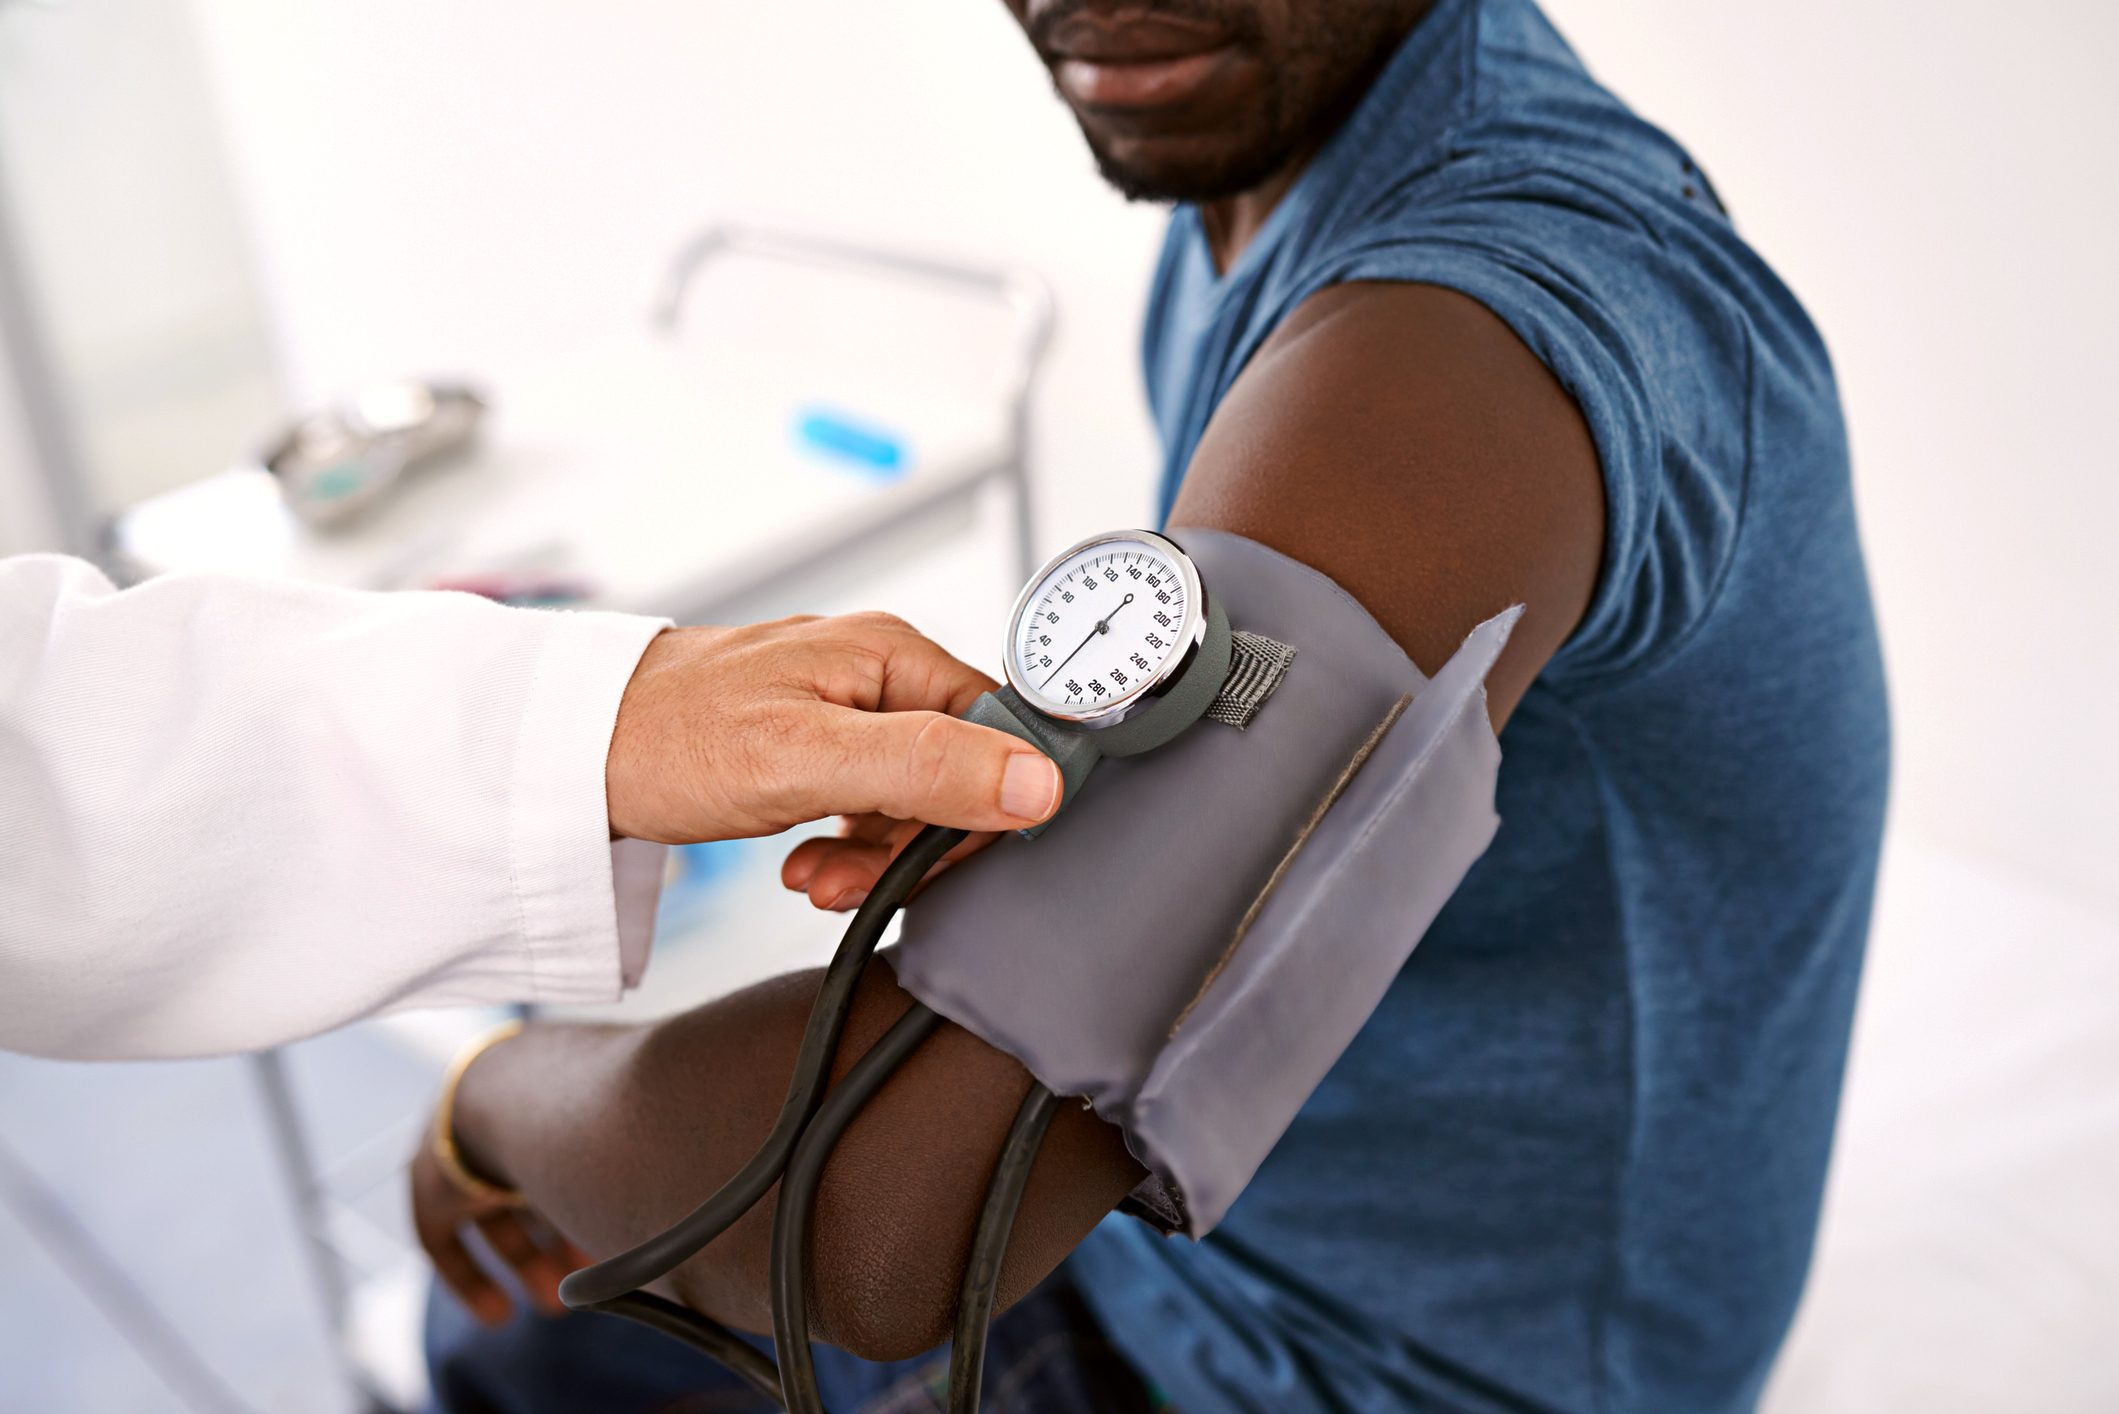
1104	624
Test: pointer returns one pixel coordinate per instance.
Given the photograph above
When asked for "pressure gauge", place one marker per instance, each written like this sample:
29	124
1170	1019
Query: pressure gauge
1114	649
1105	627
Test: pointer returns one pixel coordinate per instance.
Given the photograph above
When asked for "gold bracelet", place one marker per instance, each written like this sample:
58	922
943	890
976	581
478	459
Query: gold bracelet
446	1152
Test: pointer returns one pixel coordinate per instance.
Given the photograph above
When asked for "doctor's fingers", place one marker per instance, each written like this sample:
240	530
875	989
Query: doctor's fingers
890	666
921	766
838	873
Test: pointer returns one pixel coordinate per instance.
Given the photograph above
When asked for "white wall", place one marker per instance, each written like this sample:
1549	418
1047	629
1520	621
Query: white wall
27	521
512	180
121	213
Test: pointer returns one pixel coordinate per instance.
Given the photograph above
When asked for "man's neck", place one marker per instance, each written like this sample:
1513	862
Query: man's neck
1233	222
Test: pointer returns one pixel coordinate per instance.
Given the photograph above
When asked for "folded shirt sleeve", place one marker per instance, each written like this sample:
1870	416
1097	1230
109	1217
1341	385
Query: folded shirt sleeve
1641	334
238	812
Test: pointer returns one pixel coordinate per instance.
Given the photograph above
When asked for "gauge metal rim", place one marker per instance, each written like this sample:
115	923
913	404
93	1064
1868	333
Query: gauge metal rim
1191	633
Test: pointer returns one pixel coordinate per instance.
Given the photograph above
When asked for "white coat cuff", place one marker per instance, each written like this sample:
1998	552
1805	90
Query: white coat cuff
578	896
636	876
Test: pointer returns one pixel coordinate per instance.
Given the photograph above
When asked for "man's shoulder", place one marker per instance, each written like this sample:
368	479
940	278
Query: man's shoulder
1399	438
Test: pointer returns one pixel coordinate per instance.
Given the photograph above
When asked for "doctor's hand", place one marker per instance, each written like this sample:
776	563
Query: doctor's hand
730	732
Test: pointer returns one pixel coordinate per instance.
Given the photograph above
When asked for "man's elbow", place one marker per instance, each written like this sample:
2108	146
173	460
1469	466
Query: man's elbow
901	1195
893	1239
884	1280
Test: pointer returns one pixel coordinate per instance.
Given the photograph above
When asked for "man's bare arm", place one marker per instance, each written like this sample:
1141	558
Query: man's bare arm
1397	438
615	1132
1402	440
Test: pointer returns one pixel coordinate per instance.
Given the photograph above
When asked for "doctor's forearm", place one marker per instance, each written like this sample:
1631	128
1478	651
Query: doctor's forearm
237	812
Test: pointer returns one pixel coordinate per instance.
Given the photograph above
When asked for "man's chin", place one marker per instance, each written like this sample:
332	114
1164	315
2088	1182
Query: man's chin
1177	172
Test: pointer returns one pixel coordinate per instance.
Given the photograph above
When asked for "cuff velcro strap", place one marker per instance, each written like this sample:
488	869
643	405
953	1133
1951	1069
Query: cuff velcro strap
1256	666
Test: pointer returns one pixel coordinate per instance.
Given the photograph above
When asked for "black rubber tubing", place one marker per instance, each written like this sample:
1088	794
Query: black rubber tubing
710	1337
798	1148
798	1196
982	1274
661	1254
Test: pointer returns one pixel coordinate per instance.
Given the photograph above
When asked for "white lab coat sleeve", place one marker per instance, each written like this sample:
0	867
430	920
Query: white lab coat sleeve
237	812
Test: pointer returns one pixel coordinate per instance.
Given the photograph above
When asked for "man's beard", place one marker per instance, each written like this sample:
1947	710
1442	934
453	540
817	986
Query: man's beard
1319	73
1230	173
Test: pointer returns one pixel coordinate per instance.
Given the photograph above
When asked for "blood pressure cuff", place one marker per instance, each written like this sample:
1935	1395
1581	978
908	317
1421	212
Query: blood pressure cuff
1200	935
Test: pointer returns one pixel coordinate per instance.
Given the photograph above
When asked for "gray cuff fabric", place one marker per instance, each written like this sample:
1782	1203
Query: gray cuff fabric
1195	942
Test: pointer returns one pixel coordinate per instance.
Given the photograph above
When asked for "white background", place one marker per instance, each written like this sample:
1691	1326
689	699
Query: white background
434	184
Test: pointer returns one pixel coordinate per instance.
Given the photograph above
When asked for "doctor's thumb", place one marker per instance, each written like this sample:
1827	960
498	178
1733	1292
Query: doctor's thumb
941	771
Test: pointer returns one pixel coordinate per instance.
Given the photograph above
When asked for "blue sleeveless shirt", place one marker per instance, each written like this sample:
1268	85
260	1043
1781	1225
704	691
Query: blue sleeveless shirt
1573	1162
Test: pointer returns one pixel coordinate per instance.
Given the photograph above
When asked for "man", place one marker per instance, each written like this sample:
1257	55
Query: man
1440	318
233	812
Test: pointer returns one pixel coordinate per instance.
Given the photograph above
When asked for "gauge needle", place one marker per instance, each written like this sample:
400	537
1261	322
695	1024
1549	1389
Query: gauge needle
1103	625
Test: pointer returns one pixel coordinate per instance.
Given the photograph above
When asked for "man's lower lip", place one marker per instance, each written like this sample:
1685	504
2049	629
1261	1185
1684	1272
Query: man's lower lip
1139	84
